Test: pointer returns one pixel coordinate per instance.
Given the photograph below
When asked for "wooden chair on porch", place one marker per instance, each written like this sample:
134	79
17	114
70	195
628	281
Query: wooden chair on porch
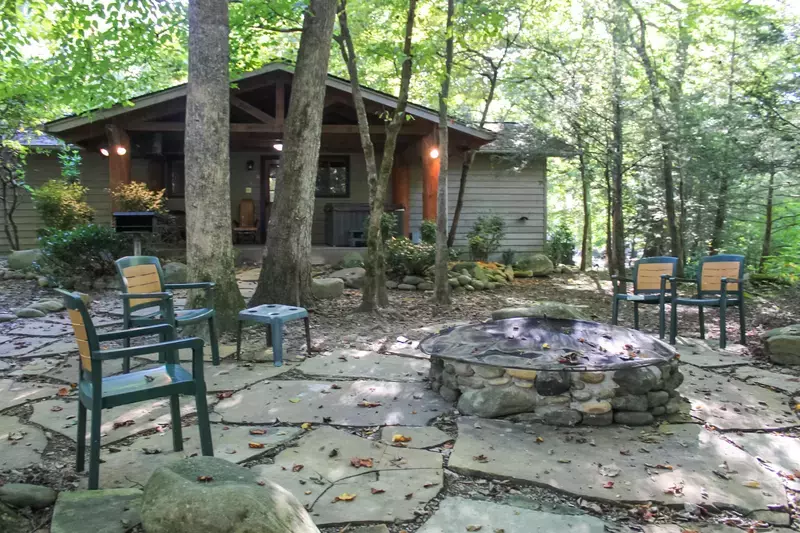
719	283
247	224
96	393
649	287
146	300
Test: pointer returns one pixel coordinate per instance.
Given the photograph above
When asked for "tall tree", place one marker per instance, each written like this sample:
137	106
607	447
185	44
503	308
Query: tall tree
618	24
374	290
209	248
441	295
286	271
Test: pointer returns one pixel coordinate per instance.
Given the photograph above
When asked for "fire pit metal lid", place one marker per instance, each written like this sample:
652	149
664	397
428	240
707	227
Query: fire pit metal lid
548	344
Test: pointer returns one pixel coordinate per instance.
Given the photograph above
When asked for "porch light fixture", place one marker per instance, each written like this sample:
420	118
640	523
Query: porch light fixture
278	146
434	153
121	150
104	151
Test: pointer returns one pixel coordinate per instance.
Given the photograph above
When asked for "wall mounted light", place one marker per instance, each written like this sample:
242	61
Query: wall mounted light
104	151
434	153
121	150
278	146
250	164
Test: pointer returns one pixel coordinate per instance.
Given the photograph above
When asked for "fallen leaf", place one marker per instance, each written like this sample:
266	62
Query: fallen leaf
409	495
664	467
326	419
359	462
401	438
56	408
333	453
297	468
261	483
480	458
151	451
624	452
149	378
545	346
344	497
306	426
255	445
608	485
752	484
205	479
294	400
474	528
224	394
377	491
258	431
675	490
429	485
565	461
611	470
335	386
124	423
307	492
365	403
539	440
63	391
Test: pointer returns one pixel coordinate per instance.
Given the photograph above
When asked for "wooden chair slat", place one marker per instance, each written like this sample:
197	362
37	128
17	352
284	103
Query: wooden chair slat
649	275
714	271
138	270
85	353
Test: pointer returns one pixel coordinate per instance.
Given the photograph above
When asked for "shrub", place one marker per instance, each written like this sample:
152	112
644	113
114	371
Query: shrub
62	205
485	237
351	260
427	231
84	251
405	258
508	257
135	196
388	226
561	248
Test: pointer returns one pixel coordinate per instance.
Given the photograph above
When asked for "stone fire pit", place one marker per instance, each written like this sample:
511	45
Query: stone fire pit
560	372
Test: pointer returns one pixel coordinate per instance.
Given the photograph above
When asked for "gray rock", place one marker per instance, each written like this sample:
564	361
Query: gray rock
100	511
472	382
28	312
556	416
783	345
604	419
407	287
581	395
24	259
51	306
637	380
175	501
175	272
462	369
25	495
464	279
413	280
492	402
630	402
478	285
391	284
469	288
449	394
657	398
11	521
541	310
354	277
658	411
327	288
541	265
7	317
552	383
674	380
42	281
633	418
673	405
488	372
425	286
453	282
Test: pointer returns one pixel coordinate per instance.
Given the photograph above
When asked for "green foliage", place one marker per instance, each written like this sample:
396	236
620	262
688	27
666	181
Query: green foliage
388	226
485	236
62	205
351	260
70	161
404	258
508	257
427	231
135	196
561	247
86	251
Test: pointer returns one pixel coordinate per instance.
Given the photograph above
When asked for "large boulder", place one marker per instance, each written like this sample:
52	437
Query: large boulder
327	288
783	344
212	495
541	310
541	265
352	277
494	401
25	495
175	272
24	259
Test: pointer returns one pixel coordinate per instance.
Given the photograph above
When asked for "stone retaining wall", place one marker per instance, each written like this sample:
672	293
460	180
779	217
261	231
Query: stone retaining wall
632	396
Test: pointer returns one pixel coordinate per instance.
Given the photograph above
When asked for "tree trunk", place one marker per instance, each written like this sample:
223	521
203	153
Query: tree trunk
719	215
374	290
609	203
441	295
586	236
286	271
767	244
209	247
618	225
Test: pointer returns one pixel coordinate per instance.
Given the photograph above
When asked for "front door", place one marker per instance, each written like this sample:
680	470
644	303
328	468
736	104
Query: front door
269	175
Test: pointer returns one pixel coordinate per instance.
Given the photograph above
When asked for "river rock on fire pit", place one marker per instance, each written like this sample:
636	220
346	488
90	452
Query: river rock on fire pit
492	402
542	309
638	380
552	383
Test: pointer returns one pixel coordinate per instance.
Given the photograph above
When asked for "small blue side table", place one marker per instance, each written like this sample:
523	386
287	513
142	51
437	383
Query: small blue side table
274	316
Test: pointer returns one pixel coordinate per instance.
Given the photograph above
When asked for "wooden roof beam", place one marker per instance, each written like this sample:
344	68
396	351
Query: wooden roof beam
252	110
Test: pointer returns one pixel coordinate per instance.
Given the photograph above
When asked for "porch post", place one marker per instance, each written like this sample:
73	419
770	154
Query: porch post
119	159
430	175
401	191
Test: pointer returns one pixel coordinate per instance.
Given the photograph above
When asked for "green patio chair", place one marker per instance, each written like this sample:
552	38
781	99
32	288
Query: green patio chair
146	300
719	283
96	393
650	284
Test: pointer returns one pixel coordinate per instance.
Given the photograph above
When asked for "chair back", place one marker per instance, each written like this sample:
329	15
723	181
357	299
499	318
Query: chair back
648	271
247	213
140	275
715	267
85	334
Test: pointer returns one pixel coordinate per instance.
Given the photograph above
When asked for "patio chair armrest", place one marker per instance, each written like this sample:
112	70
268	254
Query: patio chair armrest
133	351
136	332
682	280
146	295
197	285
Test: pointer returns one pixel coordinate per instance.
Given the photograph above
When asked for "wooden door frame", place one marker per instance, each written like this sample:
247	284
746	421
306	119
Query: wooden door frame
264	195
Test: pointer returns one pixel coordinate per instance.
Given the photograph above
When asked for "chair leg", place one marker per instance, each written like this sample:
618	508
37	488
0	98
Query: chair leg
635	315
212	330
702	315
94	447
673	322
614	310
239	341
308	334
723	330
661	325
177	430
126	343
206	446
277	344
742	328
80	460
269	335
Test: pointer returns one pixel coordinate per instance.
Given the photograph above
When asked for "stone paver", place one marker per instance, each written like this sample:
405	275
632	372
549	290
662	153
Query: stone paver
36	367
235	376
784	382
458	514
20	445
700	528
338	403
127	466
225	350
145	415
421	437
705	354
22	345
67	370
60	347
100	511
366	365
37	328
575	466
779	453
249	275
16	393
730	404
406	348
5	338
326	472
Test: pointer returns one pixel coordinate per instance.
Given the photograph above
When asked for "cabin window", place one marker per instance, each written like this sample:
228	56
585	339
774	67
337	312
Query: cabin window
333	177
175	178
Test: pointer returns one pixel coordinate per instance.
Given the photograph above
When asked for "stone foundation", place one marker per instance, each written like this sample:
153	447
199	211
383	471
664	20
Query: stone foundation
632	396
